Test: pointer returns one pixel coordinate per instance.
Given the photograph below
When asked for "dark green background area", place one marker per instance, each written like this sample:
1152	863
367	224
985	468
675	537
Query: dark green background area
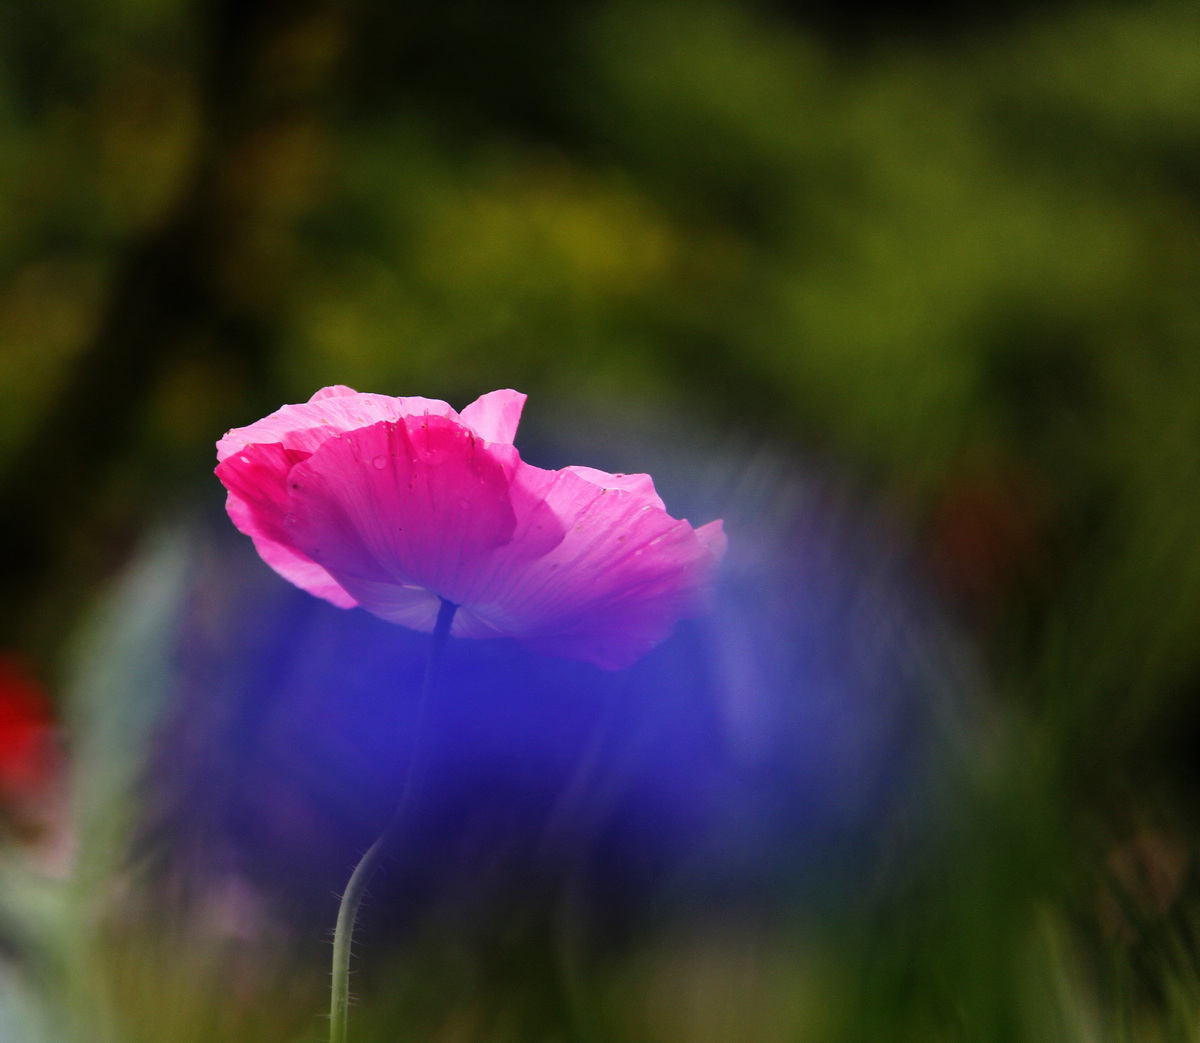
953	251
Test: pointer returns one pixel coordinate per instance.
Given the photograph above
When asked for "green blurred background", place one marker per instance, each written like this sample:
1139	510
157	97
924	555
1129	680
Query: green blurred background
952	251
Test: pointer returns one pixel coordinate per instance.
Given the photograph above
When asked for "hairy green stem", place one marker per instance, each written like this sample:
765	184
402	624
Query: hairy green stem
343	934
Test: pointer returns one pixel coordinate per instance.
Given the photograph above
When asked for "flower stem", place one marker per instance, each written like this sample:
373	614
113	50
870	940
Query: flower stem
343	934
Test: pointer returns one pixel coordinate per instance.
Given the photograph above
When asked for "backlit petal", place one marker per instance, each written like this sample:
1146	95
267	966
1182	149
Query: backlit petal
713	537
256	479
331	411
624	572
333	391
288	562
642	484
410	606
418	502
495	416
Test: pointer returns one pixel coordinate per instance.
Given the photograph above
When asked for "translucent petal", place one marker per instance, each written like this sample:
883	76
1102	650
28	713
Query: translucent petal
495	416
331	411
418	502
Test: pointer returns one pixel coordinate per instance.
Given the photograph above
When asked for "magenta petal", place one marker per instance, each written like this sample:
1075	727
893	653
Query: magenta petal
257	502
613	588
421	502
713	537
257	477
409	606
495	416
308	425
642	484
333	391
539	529
290	564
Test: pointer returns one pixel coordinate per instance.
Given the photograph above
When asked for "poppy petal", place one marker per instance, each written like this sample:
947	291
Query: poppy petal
624	572
256	479
331	411
416	502
288	562
495	416
642	484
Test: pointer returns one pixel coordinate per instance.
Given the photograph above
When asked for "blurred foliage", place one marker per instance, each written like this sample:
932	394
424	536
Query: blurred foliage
958	261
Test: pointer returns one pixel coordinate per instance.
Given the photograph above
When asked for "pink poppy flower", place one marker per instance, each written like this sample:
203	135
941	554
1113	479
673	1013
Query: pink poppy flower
397	503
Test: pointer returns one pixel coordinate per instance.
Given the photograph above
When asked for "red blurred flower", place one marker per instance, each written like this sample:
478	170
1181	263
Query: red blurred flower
29	755
395	504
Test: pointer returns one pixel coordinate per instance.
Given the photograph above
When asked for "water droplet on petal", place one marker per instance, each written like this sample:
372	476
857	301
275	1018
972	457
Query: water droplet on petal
380	462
